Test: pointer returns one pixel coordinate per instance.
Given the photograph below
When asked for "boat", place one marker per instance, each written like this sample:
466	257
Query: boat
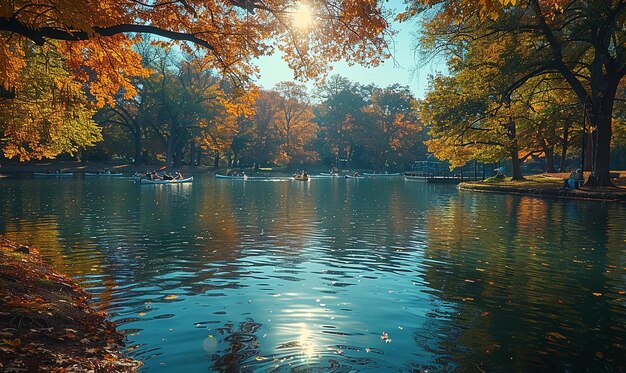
179	181
354	177
327	174
301	177
237	177
381	174
103	174
54	174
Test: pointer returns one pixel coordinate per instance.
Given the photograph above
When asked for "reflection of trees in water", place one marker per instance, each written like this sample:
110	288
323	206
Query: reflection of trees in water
521	291
242	346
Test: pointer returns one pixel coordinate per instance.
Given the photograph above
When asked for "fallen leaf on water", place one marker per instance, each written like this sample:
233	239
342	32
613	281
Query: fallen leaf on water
556	335
480	269
171	296
621	292
142	314
486	313
599	355
260	358
597	294
468	299
12	342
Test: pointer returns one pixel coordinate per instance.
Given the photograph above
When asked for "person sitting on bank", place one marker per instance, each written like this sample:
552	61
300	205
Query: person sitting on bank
499	172
574	181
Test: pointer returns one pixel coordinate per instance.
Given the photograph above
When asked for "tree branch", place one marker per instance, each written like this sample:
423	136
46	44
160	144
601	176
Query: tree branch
39	34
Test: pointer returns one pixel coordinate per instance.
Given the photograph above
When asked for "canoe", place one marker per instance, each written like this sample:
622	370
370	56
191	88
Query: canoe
238	177
54	174
327	174
301	178
368	174
354	177
102	174
148	181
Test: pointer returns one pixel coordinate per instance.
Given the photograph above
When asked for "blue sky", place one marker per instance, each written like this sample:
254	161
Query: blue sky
407	69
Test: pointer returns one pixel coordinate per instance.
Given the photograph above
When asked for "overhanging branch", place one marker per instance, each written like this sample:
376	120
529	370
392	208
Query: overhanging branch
39	34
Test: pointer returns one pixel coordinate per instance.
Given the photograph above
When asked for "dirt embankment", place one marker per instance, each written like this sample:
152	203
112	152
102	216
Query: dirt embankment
551	186
46	323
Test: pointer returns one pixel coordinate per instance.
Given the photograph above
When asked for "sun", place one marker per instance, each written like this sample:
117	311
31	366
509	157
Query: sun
302	17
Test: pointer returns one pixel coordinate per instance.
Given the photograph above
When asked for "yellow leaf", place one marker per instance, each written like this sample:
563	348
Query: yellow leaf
597	294
142	314
171	296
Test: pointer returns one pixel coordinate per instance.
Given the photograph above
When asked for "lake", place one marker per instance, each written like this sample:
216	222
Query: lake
336	275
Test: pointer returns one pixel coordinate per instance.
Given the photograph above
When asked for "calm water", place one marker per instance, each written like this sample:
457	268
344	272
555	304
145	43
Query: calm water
336	275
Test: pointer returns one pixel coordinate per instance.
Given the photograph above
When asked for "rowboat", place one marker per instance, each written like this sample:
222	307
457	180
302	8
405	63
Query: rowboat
385	174
301	178
54	174
238	177
354	177
102	174
180	181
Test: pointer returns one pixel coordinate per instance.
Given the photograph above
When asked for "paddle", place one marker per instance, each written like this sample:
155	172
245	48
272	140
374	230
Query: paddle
160	169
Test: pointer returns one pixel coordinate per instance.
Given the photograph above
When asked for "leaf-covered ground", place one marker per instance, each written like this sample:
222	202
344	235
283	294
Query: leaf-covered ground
550	185
46	323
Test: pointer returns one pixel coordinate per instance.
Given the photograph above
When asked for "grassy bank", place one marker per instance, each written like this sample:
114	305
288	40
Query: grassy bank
550	185
46	323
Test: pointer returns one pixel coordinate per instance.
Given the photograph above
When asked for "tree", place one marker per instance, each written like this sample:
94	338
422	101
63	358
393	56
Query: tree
338	116
51	115
580	40
293	124
262	147
97	37
393	137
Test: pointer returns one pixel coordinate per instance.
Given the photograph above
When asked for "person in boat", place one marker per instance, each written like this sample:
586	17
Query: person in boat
178	175
356	174
167	176
234	173
304	174
58	171
155	176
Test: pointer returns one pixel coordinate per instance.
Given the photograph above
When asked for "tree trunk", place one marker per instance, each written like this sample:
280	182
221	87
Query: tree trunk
549	151
178	154
602	156
192	153
589	146
138	157
601	119
216	159
169	151
517	169
564	146
511	129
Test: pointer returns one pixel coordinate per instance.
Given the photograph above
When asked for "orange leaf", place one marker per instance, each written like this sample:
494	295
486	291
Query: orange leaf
12	342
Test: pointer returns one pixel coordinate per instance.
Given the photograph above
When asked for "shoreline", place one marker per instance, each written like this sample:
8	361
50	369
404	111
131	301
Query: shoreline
47	323
547	187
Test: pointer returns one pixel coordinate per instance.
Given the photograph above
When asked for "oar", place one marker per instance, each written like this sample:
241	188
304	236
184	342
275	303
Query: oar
160	169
